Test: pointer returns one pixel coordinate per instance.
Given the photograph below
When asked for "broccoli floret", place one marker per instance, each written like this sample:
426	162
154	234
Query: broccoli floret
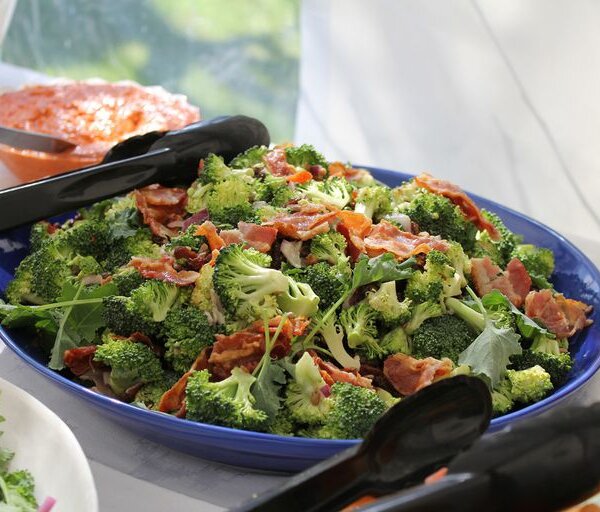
500	250
354	410
422	312
530	385
304	156
228	403
326	281
502	399
153	299
249	158
127	279
245	284
299	299
388	399
359	323
304	398
130	363
329	247
18	492
205	298
39	234
333	192
150	394
274	190
539	262
82	266
438	215
50	268
333	335
187	331
197	196
442	336
20	289
557	366
459	261
123	249
85	237
374	201
230	202
215	171
282	424
395	341
437	280
187	238
385	301
123	319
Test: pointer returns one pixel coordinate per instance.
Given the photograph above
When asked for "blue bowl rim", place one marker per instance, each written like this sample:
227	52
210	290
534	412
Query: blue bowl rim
172	422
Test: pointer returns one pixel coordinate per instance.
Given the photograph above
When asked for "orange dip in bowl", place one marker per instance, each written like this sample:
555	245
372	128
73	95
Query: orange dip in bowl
94	115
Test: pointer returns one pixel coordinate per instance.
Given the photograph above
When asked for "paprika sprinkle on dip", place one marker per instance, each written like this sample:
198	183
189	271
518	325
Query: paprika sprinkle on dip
94	115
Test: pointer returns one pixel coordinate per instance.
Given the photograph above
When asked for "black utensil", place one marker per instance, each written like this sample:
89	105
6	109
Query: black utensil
412	439
34	141
541	464
167	158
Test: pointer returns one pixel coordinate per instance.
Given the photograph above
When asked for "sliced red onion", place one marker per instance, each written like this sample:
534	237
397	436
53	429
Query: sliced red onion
326	390
197	218
47	505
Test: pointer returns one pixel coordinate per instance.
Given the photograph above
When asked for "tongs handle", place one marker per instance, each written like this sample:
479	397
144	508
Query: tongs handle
168	158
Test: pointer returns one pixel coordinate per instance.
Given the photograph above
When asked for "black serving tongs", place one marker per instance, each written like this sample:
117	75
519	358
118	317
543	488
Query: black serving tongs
411	440
156	157
542	464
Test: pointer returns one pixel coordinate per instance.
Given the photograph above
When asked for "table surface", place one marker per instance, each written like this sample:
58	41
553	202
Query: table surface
135	474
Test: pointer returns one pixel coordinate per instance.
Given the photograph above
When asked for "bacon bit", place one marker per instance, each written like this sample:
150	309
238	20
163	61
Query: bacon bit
246	348
385	237
300	177
515	282
277	164
140	337
231	236
161	206
408	375
459	198
438	475
213	257
196	218
80	360
163	270
173	400
332	374
259	237
318	172
564	317
310	221
340	170
209	230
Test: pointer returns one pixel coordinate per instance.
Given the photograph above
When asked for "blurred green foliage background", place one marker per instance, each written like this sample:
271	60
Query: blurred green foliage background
227	56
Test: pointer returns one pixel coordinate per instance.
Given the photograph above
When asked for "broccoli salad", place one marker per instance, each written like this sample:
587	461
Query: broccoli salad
286	294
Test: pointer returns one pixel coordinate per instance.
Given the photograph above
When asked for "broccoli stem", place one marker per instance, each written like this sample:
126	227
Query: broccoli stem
469	315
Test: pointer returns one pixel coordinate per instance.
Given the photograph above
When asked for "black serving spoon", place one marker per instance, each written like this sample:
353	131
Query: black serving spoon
157	157
542	464
412	439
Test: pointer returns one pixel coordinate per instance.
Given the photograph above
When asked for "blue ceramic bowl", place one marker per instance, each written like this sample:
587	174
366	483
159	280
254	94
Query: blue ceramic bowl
576	277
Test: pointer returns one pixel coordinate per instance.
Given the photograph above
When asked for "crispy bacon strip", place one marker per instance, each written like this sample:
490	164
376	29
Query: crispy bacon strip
163	270
515	282
408	375
160	207
259	237
354	227
209	230
385	237
173	400
300	177
304	224
80	360
340	170
246	348
564	317
277	164
332	374
460	198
